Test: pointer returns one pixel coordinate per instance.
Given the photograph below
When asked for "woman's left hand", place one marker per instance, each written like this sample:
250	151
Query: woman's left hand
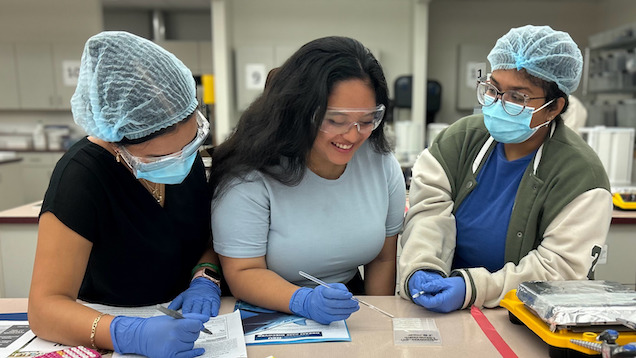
203	296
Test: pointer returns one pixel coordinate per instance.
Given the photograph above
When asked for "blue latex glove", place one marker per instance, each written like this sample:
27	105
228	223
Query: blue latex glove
419	279
443	295
158	337
324	305
203	296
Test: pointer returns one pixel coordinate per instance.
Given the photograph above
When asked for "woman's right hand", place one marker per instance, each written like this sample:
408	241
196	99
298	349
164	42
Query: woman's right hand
158	337
324	305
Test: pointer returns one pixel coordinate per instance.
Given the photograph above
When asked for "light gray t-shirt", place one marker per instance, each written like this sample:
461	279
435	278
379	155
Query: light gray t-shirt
326	228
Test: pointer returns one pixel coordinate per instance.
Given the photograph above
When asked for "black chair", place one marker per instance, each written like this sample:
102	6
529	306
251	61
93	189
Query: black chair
403	95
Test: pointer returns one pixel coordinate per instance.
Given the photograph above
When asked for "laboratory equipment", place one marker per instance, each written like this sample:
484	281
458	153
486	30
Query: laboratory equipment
614	147
559	341
608	346
624	198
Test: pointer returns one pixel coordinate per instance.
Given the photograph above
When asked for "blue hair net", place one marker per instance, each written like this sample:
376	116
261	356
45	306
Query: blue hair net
543	52
130	87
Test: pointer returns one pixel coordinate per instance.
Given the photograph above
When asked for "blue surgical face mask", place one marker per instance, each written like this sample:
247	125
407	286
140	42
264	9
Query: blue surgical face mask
505	128
172	173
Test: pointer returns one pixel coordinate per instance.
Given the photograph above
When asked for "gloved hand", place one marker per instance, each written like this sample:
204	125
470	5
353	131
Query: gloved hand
203	296
443	295
324	305
419	278
158	337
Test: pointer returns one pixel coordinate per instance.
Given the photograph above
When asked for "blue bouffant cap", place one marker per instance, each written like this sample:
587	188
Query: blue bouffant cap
130	87
543	52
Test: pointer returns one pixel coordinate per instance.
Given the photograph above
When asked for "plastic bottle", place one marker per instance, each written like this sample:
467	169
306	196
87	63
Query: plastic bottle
39	137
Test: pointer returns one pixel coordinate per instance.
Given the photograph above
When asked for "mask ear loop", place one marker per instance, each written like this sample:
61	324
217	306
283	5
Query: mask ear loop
549	118
544	105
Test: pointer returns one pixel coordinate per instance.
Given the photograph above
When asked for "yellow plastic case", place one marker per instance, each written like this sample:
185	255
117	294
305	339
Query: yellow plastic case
561	337
618	201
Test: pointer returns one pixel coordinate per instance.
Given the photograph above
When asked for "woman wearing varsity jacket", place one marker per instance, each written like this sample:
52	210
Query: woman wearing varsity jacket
512	194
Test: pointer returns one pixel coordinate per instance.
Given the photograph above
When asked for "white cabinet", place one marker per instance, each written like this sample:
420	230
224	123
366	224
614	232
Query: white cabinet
66	63
17	255
40	70
37	168
10	185
35	73
8	78
621	245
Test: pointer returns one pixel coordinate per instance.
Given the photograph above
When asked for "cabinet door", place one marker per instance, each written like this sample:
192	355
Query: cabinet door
35	76
66	63
10	186
36	174
8	78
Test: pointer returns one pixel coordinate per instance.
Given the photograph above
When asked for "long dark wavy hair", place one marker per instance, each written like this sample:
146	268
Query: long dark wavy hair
281	125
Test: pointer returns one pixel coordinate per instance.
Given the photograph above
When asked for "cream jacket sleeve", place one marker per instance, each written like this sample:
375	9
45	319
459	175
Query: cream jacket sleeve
428	239
570	248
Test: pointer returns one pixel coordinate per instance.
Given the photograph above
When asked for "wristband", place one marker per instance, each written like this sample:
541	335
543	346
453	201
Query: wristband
205	264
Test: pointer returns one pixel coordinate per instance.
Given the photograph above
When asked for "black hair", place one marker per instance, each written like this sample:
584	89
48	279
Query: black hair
280	126
550	89
172	128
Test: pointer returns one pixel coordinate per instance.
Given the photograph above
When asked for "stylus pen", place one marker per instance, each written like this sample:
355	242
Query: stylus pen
323	283
176	315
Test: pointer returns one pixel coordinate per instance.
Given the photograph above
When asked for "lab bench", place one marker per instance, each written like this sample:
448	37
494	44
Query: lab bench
19	226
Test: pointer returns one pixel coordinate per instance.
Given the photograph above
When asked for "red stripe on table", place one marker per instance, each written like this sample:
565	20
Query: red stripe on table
492	334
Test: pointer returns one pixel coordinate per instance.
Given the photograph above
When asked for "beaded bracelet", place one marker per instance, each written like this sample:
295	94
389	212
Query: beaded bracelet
206	264
94	329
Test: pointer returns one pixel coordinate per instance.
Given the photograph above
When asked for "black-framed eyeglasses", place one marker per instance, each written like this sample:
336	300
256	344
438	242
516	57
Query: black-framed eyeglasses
513	102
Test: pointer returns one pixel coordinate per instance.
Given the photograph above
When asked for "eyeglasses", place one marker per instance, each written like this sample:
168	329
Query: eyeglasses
488	94
154	163
340	121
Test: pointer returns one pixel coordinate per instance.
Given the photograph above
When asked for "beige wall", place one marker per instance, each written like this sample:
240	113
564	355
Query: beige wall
379	24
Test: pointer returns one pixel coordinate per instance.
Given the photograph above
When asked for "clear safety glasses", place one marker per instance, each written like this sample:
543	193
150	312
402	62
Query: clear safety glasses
146	164
513	102
340	120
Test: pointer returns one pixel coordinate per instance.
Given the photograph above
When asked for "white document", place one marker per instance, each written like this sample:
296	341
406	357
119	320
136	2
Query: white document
13	335
415	331
310	331
226	340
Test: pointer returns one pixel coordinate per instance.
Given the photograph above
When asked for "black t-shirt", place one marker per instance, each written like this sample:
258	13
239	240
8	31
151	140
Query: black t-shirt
142	253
